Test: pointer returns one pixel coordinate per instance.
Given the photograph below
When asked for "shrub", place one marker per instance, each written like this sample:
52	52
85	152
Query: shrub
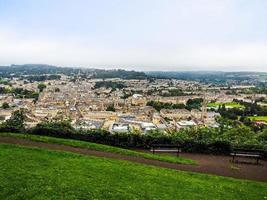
201	140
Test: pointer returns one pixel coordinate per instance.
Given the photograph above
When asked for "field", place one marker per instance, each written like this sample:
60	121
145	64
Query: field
33	173
227	105
101	147
258	118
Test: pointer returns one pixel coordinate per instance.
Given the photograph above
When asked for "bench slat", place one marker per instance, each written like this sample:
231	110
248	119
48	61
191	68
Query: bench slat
165	150
245	155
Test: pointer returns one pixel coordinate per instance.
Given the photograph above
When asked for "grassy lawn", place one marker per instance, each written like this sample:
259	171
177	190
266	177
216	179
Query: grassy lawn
101	147
34	173
227	105
258	118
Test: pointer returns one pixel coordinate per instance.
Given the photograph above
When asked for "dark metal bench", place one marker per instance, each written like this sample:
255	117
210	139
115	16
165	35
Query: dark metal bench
247	153
168	148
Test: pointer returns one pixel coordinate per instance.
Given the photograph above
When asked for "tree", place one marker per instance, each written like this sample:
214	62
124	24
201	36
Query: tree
194	103
263	135
15	123
41	86
160	105
238	135
110	108
56	128
5	105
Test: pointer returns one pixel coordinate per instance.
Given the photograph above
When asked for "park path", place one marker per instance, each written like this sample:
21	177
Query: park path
209	164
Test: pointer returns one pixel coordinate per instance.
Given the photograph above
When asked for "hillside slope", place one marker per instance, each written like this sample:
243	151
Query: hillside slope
33	173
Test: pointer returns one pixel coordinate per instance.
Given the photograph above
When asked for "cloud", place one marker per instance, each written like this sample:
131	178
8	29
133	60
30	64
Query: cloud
151	35
64	52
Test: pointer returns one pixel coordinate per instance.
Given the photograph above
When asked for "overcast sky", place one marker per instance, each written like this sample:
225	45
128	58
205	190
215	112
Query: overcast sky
228	35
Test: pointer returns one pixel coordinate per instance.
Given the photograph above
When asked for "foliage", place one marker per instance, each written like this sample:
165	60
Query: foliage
217	78
15	123
19	92
58	128
263	135
109	84
238	135
126	95
248	112
4	82
119	74
110	108
256	90
41	86
226	113
194	103
252	109
41	78
207	140
34	69
5	105
174	92
160	105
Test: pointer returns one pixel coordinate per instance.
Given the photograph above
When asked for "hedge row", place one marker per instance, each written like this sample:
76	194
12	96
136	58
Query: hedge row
143	141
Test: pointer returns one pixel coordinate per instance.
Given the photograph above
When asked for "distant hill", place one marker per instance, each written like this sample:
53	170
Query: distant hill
215	77
41	69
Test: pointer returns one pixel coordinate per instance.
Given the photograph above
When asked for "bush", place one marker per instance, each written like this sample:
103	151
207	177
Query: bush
15	123
201	140
59	129
220	147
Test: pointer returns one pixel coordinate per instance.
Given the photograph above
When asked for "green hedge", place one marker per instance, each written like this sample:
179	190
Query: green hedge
198	144
201	140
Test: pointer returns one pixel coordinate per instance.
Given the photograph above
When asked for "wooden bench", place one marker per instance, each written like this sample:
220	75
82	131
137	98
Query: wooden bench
247	153
168	148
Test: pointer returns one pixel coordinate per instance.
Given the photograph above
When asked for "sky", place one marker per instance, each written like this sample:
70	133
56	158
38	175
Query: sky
143	35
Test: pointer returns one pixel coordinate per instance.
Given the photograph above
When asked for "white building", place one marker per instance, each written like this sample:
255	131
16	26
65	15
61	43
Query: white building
185	124
119	128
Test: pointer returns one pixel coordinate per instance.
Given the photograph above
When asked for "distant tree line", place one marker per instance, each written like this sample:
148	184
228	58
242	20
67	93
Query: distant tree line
41	78
250	109
19	92
217	78
35	72
123	74
109	84
161	105
173	92
190	104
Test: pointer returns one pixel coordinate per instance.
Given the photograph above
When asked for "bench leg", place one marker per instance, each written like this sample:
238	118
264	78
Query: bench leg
233	160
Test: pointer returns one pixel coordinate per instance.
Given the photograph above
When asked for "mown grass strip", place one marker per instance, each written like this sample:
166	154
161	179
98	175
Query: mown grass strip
227	104
258	118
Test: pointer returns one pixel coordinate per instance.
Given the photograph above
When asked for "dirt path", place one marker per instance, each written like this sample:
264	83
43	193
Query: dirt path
209	164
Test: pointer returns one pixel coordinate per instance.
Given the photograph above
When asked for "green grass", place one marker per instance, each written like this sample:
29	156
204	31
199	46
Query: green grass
258	118
101	147
227	105
35	173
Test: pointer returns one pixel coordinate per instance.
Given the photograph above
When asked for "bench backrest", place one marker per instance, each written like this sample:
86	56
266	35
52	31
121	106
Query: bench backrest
165	146
249	151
